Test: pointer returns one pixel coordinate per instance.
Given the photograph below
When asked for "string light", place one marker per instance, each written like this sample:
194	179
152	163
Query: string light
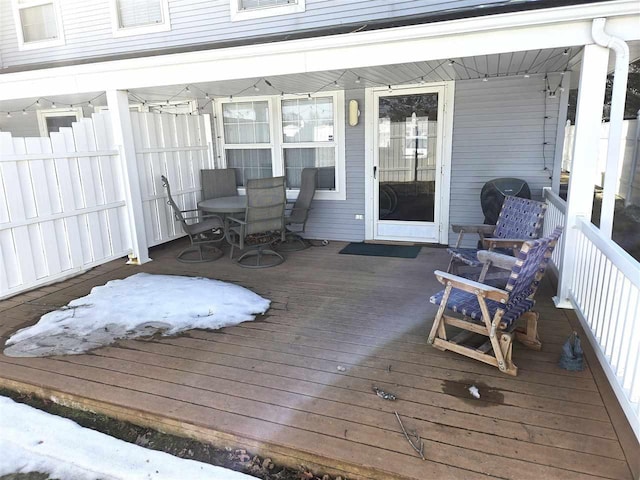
451	63
24	112
486	78
358	80
8	114
53	105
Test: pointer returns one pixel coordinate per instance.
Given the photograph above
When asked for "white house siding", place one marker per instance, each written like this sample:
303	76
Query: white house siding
88	32
335	220
498	132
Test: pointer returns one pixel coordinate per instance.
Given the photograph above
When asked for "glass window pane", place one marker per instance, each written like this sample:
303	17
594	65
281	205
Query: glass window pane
307	120
250	4
134	13
55	123
38	23
250	163
246	122
295	159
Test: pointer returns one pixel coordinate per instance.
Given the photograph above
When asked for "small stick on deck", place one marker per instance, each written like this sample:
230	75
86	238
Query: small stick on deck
420	450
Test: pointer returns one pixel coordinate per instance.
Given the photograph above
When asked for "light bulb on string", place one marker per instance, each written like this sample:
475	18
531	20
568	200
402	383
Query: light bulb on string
24	111
358	80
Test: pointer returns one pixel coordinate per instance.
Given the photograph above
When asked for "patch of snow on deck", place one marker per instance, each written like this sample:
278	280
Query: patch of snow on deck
136	306
35	441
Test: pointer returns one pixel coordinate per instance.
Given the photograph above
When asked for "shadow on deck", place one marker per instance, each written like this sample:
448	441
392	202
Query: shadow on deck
273	386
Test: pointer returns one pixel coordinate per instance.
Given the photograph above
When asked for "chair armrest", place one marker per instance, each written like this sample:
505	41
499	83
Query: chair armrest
514	243
497	259
484	229
470	286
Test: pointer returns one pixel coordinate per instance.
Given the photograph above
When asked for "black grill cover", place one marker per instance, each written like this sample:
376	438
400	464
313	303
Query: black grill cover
493	194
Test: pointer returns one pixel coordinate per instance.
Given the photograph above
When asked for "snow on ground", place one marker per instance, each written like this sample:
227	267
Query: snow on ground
35	441
135	306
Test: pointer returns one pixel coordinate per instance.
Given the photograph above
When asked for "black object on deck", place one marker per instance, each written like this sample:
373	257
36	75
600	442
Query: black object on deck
493	194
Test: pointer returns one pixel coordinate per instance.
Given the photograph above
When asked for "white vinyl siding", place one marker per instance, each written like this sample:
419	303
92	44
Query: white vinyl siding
89	28
498	131
38	23
138	17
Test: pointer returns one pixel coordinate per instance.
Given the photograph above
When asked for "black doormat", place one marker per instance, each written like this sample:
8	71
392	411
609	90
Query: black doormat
379	250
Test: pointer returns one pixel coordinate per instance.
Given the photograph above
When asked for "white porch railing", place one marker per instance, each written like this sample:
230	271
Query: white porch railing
605	293
554	217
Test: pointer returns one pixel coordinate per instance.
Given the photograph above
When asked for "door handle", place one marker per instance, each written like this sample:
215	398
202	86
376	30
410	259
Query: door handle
375	171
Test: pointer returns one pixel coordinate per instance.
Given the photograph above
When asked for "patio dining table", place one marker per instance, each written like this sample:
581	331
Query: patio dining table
224	205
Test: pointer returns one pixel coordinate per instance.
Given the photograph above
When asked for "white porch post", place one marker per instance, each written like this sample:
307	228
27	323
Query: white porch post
118	103
585	158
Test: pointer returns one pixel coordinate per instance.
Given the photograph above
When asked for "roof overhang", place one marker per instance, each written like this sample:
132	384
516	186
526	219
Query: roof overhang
510	32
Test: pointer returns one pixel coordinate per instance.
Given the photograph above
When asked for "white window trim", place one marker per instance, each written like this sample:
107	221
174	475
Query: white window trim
276	143
118	31
272	11
22	45
56	112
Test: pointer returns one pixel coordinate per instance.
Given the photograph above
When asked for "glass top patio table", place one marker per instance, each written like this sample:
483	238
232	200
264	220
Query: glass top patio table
233	204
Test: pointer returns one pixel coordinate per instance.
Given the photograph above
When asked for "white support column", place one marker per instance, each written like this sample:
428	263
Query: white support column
585	159
118	103
562	119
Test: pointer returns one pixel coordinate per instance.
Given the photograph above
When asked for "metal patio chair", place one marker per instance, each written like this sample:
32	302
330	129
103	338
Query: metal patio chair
520	219
262	226
203	232
296	216
491	312
219	182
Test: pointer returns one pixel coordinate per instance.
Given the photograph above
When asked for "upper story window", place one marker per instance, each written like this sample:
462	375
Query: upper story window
249	9
38	23
138	17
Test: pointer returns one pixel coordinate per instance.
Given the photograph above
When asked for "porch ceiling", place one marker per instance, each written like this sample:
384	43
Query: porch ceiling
531	62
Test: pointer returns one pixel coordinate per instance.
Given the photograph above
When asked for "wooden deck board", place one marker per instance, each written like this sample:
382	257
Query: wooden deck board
273	386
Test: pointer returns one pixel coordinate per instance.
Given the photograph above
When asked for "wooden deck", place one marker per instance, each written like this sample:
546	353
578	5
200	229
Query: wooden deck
273	387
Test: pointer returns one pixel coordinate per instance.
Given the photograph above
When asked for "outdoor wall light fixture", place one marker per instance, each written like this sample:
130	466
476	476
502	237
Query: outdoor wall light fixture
354	113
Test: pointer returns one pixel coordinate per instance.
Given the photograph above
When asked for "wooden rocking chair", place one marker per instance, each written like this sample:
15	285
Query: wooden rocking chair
491	312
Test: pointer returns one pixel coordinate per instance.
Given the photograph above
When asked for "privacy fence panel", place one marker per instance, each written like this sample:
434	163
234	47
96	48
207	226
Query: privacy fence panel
65	208
177	146
628	174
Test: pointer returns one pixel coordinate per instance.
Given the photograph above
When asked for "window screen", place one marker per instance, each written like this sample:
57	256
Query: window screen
38	23
251	4
136	13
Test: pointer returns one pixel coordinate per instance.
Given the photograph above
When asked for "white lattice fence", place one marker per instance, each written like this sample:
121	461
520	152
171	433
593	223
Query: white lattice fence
64	210
177	146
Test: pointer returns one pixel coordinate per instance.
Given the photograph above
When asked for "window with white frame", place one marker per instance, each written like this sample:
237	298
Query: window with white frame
52	120
249	9
272	136
38	23
138	17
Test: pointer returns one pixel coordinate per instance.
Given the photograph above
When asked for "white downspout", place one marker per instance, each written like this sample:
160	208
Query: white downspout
618	96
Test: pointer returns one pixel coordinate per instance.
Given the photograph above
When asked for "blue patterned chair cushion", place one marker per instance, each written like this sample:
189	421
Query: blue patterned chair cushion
467	304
